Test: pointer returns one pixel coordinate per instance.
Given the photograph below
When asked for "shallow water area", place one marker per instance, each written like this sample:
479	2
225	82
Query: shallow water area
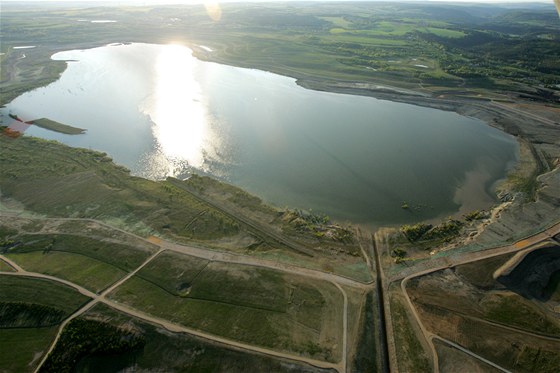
159	111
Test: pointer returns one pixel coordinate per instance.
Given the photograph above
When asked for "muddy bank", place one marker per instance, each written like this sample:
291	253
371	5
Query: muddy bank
541	131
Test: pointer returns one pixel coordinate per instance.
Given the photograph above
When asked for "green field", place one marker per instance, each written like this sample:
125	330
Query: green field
5	267
91	263
81	270
30	310
173	272
22	349
172	352
263	307
42	292
123	257
537	360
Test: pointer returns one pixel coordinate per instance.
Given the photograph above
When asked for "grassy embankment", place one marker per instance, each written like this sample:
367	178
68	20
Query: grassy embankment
91	263
411	356
365	359
56	180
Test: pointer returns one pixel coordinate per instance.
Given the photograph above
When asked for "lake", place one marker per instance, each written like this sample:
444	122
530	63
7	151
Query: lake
159	111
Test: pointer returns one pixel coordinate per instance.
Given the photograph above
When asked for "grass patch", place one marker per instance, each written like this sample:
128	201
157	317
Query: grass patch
244	324
480	273
81	270
537	360
513	311
5	267
58	127
254	288
177	352
444	33
262	306
237	196
22	349
525	184
5	233
28	315
28	307
123	257
173	272
338	21
50	178
40	292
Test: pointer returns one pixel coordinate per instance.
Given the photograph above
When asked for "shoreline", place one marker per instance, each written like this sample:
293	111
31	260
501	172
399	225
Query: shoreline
481	109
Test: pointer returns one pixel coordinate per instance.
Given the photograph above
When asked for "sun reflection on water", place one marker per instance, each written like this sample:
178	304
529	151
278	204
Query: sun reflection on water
177	108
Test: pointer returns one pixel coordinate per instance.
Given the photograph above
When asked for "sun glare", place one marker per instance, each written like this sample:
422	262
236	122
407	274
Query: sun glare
213	9
177	109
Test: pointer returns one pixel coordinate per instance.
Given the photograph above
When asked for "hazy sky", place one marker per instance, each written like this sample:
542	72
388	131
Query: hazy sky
213	1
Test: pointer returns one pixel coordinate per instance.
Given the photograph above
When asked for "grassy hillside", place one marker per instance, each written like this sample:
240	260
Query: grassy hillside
56	180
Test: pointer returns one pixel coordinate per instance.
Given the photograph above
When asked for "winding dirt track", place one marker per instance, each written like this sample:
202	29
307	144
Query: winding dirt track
464	259
209	255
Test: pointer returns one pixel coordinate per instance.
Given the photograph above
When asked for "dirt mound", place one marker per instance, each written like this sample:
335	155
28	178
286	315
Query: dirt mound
532	276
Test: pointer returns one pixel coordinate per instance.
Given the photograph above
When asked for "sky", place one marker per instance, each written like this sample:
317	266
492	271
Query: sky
202	1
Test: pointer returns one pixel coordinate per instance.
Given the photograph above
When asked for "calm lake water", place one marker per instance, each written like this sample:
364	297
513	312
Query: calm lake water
159	111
